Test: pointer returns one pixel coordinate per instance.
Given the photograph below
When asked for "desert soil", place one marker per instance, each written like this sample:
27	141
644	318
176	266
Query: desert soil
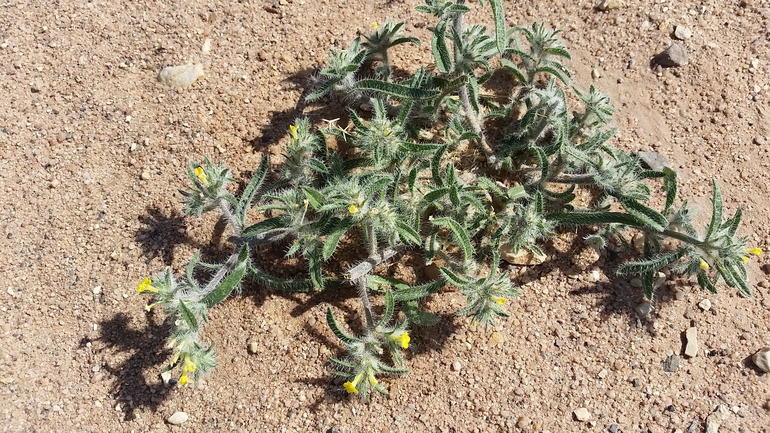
93	150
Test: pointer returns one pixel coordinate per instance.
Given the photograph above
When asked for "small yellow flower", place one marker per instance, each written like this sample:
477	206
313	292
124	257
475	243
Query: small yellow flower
188	366
201	175
374	25
183	380
353	209
402	338
499	301
703	264
146	286
351	386
755	251
149	307
745	259
293	131
372	379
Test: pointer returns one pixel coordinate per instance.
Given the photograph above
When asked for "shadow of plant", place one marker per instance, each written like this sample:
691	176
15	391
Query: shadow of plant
161	234
146	350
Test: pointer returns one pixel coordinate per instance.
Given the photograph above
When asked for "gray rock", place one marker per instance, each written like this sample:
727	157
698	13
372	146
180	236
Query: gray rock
671	364
653	160
644	308
691	338
607	5
673	56
693	426
762	359
178	418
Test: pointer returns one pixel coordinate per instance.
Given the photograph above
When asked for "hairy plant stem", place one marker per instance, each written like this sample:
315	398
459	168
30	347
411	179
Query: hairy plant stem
222	272
470	114
363	293
362	269
372	239
227	213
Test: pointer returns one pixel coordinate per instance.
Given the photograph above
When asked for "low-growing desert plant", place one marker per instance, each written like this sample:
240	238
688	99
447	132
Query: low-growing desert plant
440	163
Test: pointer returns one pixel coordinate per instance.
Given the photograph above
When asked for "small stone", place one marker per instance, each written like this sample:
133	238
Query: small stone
145	175
613	428
644	308
693	426
680	295
636	282
603	374
689	313
180	76
253	347
97	290
523	423
673	56
704	305
691	338
456	366
759	140
607	5
653	160
671	364
496	339
636	383
166	377
596	73
716	418
582	414
762	359
521	257
178	418
682	33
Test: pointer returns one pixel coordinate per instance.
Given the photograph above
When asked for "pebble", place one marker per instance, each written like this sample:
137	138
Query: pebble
456	366
673	56
691	337
680	295
704	305
166	377
716	418
145	175
582	414
607	5
253	347
653	160
762	359
521	257
596	73
644	308
636	282
496	339
682	33
692	427
689	313
671	364
180	76
178	418
759	140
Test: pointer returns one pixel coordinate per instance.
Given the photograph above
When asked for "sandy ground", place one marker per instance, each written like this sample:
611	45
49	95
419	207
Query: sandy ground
93	150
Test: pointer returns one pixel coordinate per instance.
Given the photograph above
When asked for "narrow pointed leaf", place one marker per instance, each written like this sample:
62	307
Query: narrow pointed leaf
335	327
460	235
645	215
439	48
716	209
231	281
188	317
333	239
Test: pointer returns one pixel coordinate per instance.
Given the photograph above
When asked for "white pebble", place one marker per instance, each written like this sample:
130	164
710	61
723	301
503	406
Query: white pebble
582	414
178	418
180	76
456	366
762	359
705	305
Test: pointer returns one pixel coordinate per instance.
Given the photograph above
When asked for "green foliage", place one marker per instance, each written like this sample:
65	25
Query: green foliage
454	197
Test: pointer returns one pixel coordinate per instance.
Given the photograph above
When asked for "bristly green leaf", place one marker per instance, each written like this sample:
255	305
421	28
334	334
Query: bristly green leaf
283	284
251	189
716	209
586	218
395	90
439	48
188	316
230	282
651	264
314	197
333	239
501	38
646	216
452	278
669	181
335	327
460	235
264	226
409	235
325	88
315	268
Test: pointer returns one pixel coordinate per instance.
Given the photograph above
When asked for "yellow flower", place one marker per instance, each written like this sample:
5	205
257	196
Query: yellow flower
146	285
183	380
353	209
703	264
374	25
755	251
351	386
149	307
745	259
293	131
402	338
188	365
372	379
499	301
201	175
